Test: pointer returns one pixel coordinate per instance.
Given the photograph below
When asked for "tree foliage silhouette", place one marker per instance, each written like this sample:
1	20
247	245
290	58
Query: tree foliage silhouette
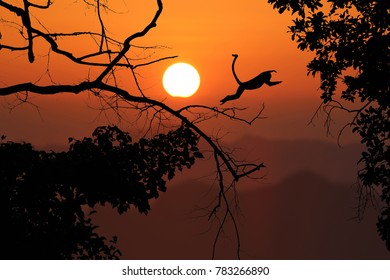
351	41
44	194
134	174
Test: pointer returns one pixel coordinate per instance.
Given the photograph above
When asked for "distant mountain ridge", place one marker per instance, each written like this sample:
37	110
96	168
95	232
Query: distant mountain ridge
305	216
284	157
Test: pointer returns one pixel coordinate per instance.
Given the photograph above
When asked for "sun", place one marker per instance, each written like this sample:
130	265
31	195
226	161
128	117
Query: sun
181	80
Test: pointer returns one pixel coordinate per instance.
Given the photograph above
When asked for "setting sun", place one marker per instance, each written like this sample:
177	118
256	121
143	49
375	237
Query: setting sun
181	80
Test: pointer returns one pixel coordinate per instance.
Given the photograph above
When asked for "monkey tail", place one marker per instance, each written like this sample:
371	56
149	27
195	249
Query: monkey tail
234	72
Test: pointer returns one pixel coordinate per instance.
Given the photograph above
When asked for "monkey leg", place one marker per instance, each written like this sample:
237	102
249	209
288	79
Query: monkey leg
237	95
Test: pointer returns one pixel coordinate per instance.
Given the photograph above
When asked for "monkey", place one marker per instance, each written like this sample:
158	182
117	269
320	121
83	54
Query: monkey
255	83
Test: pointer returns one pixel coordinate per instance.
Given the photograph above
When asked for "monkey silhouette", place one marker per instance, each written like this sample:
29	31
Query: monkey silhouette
255	83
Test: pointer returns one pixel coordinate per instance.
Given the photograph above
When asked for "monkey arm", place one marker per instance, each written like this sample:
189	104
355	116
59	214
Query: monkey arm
269	83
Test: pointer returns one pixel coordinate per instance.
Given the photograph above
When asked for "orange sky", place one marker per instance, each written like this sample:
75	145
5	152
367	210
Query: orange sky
203	33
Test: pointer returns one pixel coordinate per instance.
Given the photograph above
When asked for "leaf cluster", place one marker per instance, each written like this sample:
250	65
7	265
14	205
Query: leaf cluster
344	35
45	195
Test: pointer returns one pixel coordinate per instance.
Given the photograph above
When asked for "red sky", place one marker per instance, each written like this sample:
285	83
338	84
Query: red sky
205	34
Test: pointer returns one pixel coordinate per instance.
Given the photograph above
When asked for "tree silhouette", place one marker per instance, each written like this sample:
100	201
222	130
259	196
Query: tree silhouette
351	41
106	167
44	194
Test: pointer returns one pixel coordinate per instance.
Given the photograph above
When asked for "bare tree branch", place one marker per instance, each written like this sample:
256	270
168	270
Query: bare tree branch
105	87
127	45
